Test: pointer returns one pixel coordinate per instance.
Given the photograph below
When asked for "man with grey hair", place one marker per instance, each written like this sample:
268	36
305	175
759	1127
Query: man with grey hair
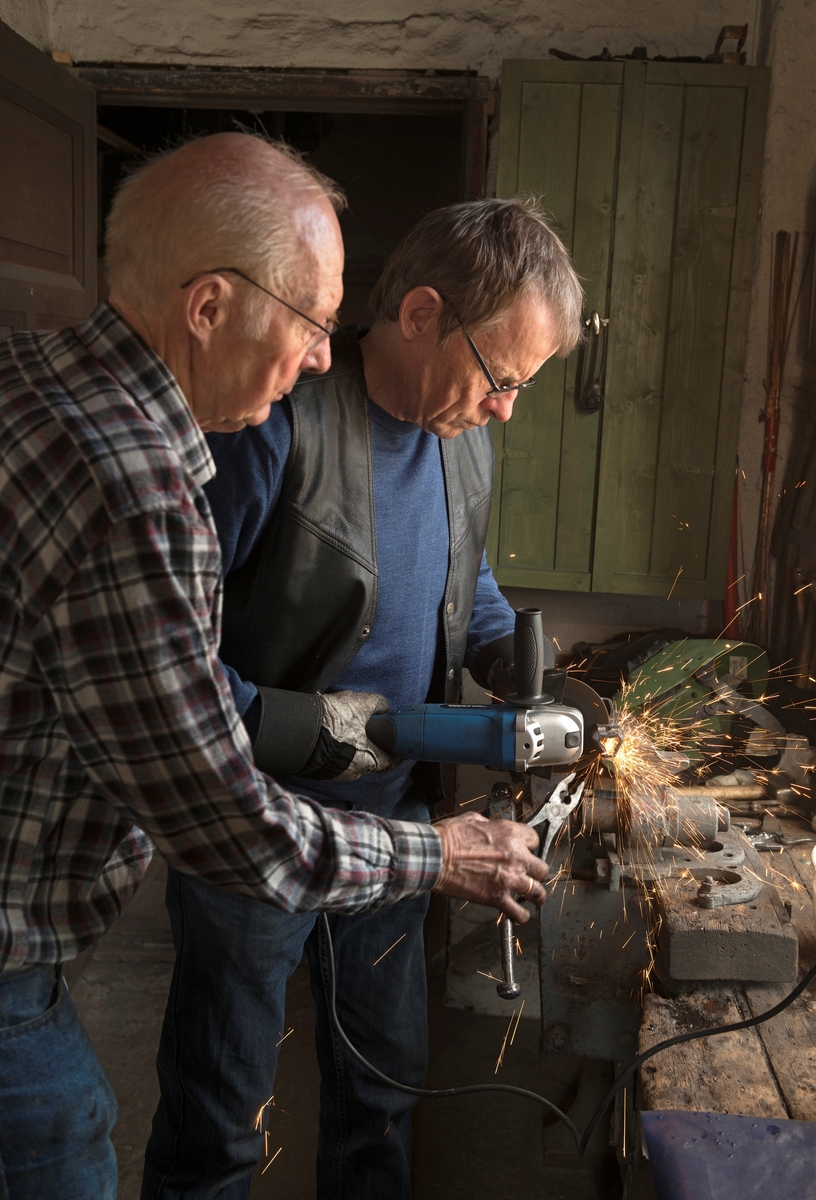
118	731
352	525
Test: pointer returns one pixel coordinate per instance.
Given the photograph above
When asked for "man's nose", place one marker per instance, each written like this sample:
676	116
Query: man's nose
500	407
317	360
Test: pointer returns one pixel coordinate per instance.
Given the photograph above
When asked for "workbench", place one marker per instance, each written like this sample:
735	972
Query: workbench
768	1071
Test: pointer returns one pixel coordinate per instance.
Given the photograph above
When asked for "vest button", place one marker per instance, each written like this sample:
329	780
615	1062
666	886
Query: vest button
451	673
449	608
365	631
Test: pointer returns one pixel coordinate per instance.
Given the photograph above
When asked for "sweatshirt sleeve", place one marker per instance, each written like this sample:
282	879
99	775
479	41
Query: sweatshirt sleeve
242	494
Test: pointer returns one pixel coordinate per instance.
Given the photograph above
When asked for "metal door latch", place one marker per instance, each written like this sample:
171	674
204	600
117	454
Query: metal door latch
589	399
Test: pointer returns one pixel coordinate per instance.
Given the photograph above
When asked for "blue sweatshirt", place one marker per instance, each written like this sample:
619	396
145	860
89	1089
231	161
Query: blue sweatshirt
411	517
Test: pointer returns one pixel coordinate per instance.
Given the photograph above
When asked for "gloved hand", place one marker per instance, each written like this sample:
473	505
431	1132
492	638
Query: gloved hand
343	751
501	678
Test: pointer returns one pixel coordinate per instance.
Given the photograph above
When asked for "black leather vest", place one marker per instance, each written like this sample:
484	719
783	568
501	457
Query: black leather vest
305	601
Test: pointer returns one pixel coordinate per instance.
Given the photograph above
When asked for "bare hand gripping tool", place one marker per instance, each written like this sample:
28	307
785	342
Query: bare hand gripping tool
550	720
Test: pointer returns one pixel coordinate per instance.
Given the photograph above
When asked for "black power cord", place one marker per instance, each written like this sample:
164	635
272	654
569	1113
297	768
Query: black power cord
581	1140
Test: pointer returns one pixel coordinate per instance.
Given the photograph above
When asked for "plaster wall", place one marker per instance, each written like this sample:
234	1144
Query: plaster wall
377	34
29	18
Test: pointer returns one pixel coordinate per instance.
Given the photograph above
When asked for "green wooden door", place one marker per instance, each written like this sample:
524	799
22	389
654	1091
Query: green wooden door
560	128
651	172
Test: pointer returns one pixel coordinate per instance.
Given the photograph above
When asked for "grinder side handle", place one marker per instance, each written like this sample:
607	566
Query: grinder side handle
528	652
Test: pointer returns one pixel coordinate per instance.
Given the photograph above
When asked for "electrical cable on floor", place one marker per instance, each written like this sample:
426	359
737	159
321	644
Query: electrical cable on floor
581	1140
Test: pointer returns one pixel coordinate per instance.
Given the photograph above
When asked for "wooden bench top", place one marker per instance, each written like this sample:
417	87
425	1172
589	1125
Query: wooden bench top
769	1070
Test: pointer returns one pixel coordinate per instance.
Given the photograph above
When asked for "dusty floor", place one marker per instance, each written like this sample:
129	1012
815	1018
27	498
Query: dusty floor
474	1146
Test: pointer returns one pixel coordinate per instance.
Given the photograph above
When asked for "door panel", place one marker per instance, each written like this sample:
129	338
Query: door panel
690	161
595	188
564	137
650	164
701	276
651	172
47	190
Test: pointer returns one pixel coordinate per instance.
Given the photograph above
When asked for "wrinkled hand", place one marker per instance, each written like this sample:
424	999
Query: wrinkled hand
491	862
344	718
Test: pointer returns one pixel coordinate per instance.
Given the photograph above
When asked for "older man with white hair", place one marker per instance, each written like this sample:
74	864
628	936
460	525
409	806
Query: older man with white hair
118	731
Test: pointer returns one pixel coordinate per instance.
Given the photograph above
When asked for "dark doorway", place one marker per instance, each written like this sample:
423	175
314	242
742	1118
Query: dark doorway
394	167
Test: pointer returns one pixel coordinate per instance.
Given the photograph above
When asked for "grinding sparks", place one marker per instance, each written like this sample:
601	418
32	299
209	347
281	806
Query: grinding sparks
674	585
388	951
500	1059
261	1111
272	1159
473	799
518	1020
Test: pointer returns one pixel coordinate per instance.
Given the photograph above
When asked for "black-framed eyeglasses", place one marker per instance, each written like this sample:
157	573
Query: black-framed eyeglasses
495	388
325	330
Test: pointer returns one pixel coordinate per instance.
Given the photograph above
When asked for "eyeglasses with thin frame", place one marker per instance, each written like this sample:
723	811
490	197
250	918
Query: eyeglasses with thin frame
495	388
325	330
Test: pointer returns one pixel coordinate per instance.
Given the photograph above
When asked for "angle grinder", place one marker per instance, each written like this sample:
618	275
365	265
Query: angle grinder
550	720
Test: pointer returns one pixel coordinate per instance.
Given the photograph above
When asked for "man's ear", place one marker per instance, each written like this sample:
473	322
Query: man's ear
419	312
207	306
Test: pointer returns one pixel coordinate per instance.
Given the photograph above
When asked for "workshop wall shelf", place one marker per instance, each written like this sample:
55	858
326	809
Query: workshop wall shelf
617	469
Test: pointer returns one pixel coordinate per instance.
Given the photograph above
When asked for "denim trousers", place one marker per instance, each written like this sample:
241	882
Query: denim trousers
56	1106
225	1018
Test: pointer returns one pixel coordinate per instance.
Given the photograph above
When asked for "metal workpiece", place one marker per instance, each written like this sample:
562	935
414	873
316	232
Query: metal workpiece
727	887
601	813
661	816
667	816
502	804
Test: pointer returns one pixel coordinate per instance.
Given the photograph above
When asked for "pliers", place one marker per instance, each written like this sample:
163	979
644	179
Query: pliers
556	809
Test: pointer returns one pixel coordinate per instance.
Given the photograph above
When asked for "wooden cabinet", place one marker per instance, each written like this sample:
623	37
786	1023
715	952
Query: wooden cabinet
651	174
47	191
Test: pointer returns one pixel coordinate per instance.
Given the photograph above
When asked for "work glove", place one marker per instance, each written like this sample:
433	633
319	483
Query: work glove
343	751
501	678
494	669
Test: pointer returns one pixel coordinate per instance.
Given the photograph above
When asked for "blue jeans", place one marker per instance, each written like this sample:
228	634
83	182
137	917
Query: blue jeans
56	1106
225	1014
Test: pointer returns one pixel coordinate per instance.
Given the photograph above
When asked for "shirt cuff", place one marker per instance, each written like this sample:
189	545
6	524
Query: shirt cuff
417	860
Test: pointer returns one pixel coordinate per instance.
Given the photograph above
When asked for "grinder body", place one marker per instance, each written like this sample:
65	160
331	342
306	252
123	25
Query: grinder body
548	721
503	737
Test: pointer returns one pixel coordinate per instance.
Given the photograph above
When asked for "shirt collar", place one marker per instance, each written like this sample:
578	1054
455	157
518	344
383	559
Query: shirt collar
151	383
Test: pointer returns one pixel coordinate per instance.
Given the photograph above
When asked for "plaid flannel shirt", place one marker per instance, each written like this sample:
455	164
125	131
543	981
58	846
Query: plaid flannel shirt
117	726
